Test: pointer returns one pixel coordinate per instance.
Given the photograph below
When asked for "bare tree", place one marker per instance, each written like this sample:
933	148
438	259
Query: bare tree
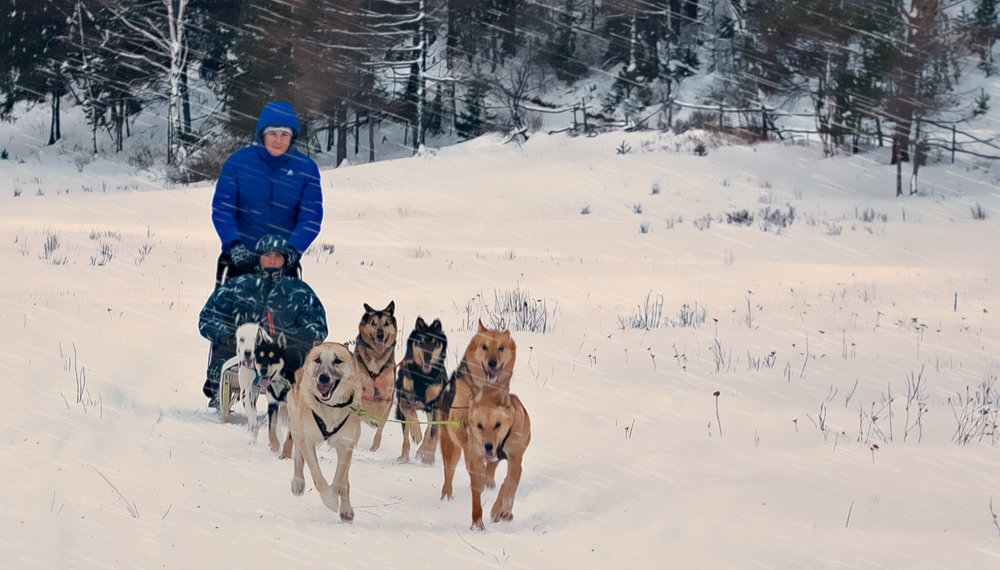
87	72
513	84
170	38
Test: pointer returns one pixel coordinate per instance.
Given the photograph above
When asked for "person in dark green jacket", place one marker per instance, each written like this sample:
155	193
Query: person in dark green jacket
279	303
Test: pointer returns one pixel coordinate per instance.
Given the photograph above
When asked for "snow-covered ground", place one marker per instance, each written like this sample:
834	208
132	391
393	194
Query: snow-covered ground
796	407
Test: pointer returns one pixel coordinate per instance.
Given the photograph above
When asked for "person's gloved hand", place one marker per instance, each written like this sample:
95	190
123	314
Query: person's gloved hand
242	257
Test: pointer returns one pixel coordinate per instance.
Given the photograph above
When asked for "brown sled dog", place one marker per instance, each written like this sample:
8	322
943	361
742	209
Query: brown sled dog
321	407
487	365
375	352
499	428
420	385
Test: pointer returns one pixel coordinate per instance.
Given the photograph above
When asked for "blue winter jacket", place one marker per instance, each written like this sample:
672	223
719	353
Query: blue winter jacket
260	194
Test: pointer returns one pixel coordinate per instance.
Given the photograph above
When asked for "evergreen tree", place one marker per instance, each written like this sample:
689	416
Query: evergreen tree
560	50
262	70
472	121
33	45
984	32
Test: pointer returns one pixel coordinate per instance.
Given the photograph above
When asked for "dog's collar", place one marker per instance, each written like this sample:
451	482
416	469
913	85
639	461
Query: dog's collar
343	404
322	426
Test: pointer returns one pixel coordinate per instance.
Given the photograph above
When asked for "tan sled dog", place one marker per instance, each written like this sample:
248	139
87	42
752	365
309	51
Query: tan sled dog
322	407
487	365
375	352
499	428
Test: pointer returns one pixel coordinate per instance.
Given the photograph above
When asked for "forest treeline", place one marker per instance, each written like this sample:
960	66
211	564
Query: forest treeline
466	67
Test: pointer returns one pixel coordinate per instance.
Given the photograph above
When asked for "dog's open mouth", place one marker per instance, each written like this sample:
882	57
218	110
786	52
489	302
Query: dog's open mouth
264	380
492	372
326	385
426	366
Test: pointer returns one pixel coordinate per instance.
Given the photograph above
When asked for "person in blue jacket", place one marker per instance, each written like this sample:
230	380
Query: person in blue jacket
267	188
279	303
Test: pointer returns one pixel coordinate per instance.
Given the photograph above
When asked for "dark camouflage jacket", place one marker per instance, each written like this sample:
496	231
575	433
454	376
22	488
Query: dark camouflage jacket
289	303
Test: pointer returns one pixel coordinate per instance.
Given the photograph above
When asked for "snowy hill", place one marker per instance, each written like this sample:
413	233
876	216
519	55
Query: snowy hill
795	401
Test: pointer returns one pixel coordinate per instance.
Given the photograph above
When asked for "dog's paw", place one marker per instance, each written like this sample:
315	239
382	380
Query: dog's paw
446	495
501	516
425	457
347	515
403	459
331	500
298	485
477	525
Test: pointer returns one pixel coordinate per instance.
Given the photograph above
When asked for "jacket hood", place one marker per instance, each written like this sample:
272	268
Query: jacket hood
275	243
277	114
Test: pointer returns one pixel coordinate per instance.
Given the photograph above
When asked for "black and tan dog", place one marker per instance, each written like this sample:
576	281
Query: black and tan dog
487	367
322	408
420	385
499	429
274	378
375	352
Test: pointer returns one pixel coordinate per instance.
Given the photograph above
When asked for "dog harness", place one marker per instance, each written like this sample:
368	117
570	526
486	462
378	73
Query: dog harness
372	385
420	401
322	426
501	454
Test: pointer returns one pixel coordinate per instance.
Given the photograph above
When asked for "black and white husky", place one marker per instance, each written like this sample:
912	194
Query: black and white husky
272	378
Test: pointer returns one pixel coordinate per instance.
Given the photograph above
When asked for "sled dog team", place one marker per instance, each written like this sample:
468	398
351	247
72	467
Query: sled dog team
471	412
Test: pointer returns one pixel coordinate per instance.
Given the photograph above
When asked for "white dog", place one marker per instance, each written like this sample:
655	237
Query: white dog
248	336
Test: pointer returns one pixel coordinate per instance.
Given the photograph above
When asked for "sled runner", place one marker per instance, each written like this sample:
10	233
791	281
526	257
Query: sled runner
229	393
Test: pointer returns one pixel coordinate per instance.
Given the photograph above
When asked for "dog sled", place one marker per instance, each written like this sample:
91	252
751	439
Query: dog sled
229	392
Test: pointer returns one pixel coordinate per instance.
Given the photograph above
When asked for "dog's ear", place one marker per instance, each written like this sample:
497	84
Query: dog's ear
505	400
349	361
369	309
421	325
281	341
481	327
390	308
436	325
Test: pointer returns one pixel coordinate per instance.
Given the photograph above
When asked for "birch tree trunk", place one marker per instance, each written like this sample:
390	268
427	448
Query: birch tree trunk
172	41
86	79
176	44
